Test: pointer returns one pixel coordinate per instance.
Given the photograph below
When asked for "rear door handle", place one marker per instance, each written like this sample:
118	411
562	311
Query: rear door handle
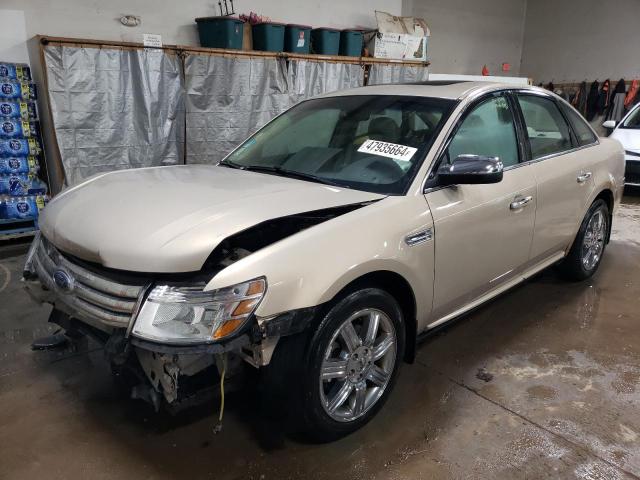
520	202
583	177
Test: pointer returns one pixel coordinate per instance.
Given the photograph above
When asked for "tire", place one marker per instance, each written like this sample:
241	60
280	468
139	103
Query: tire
364	380
588	247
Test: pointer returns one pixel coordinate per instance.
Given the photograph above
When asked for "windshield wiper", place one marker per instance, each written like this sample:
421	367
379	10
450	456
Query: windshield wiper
227	163
291	174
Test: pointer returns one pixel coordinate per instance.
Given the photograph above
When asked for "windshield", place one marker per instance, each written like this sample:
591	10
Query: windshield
633	120
374	143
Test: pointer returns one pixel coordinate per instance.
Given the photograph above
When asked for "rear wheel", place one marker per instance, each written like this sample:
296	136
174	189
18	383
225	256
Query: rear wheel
588	247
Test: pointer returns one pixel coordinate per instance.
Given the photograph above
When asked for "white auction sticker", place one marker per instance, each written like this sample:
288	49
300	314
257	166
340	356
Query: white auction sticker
385	149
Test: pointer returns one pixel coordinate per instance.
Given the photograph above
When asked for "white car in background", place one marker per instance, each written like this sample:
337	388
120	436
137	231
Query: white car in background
627	132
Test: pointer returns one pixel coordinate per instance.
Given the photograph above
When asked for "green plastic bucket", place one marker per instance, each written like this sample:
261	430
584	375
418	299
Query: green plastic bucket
220	32
268	37
351	43
325	41
297	38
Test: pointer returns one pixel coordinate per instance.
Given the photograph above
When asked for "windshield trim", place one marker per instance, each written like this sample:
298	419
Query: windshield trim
449	104
635	111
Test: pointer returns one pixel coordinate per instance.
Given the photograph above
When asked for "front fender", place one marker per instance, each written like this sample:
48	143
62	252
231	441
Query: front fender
310	267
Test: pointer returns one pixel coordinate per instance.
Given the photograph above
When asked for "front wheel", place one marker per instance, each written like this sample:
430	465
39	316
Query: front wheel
353	362
588	247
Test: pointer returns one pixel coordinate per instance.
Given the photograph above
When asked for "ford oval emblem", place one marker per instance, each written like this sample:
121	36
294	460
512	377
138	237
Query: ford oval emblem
63	280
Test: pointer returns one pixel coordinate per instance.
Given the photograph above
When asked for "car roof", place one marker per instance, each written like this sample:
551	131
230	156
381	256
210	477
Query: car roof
454	90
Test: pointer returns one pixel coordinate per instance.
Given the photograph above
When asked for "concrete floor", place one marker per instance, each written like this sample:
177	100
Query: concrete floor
561	401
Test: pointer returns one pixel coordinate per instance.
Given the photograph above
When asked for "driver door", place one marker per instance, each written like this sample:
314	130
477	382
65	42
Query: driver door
483	233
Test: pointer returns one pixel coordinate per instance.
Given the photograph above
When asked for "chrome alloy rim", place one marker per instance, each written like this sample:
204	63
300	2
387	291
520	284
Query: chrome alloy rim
593	242
357	364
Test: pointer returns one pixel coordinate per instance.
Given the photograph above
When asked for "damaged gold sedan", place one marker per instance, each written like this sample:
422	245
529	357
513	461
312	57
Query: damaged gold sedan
327	244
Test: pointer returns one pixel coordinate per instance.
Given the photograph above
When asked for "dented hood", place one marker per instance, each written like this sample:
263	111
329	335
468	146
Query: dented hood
169	219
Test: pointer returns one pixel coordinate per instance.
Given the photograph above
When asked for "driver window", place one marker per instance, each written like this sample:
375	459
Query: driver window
488	130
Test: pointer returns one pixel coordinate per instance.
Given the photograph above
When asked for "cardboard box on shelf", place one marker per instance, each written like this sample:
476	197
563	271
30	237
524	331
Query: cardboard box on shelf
399	38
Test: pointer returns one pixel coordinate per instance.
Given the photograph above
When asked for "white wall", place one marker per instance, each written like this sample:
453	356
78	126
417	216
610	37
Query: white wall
174	19
467	34
576	40
13	37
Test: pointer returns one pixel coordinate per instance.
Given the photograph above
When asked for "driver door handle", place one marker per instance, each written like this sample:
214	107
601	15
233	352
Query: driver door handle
583	177
520	202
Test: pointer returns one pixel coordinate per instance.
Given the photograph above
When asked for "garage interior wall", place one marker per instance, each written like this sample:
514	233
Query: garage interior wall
576	40
468	34
173	20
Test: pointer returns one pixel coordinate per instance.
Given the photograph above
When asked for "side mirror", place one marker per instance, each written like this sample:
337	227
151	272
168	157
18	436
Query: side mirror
609	124
471	169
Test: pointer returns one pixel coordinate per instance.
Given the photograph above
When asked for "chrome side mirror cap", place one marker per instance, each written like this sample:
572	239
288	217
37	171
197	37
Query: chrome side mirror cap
609	124
471	169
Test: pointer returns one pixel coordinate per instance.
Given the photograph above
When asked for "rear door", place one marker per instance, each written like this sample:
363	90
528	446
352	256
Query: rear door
564	178
482	232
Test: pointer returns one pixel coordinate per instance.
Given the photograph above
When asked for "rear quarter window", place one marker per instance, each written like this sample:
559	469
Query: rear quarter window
580	127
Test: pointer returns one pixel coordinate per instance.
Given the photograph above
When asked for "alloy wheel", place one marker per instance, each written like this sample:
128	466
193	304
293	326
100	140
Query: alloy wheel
358	364
593	241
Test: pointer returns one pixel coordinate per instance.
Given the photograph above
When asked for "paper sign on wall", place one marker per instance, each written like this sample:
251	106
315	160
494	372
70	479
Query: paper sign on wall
152	40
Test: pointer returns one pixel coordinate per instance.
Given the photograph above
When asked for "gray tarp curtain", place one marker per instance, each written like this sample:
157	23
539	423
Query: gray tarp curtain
115	109
118	108
227	98
230	98
386	73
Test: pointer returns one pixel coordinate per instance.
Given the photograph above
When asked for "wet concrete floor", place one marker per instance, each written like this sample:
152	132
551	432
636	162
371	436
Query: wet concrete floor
543	382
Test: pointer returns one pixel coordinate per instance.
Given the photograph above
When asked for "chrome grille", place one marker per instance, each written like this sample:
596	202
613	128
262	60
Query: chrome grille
90	295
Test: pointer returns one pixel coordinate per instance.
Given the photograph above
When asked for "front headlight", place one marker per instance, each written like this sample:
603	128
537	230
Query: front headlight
187	314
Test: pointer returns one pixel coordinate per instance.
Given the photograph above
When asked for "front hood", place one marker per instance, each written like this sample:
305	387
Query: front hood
628	137
169	219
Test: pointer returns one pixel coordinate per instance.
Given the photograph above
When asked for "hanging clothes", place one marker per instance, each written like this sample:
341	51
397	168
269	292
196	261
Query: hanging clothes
616	104
592	101
582	99
632	94
575	99
603	98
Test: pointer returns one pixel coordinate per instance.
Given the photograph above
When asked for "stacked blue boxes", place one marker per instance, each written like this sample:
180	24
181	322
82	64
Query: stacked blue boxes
22	192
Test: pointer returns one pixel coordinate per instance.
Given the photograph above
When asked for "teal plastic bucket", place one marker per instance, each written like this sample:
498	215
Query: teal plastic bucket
220	32
268	37
351	43
325	41
297	38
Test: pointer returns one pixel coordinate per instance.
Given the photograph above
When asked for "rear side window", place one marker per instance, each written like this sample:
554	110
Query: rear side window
546	128
580	127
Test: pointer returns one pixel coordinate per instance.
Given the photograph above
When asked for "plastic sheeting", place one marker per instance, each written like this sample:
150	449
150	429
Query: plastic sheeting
227	98
380	74
230	98
309	78
121	108
115	108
